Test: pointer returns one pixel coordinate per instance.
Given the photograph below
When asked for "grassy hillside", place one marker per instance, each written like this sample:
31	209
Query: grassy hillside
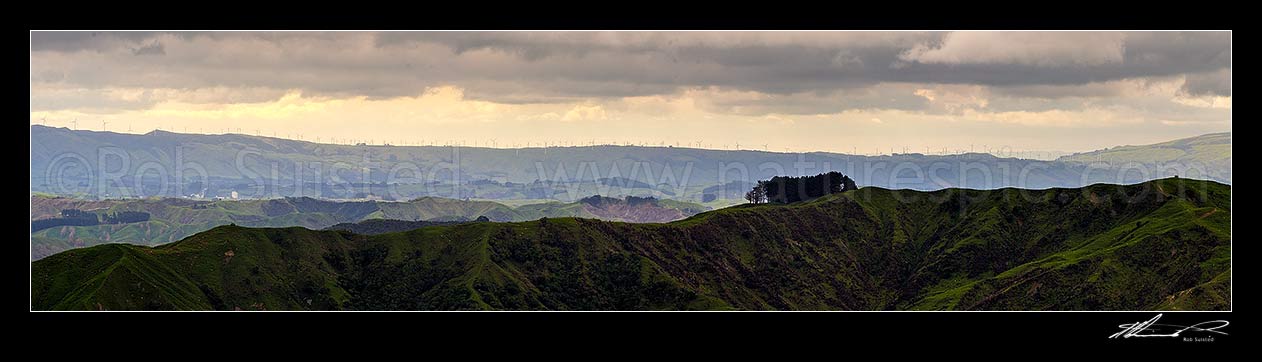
1159	245
385	226
174	219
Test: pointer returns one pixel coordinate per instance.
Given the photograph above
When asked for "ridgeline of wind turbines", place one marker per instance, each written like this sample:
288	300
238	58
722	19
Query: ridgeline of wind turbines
998	151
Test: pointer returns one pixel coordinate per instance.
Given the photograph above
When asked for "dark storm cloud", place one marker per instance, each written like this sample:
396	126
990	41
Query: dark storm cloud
1216	83
519	67
73	41
807	61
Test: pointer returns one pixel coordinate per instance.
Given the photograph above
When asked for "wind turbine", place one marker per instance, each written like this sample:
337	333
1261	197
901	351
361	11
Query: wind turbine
74	124
103	125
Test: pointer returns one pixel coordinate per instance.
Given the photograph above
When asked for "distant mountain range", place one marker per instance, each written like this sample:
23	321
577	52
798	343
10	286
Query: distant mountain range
105	164
1163	245
1212	151
172	219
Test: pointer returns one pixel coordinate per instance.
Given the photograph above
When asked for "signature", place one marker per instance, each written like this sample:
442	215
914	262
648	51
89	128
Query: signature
1151	328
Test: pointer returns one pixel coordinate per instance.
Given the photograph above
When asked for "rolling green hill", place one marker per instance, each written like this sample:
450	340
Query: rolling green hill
174	219
1163	244
386	226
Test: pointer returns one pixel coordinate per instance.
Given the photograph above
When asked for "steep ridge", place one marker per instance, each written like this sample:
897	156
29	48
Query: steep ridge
173	218
385	226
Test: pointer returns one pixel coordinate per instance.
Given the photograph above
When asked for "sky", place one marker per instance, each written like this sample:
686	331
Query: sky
840	91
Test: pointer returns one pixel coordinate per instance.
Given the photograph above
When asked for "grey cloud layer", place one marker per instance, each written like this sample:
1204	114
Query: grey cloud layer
810	70
1216	83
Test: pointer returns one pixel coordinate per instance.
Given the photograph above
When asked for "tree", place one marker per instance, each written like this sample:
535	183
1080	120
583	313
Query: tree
781	189
125	217
847	184
757	195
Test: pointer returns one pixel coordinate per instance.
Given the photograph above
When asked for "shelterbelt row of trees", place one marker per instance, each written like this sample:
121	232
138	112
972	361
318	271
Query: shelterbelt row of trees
76	217
784	189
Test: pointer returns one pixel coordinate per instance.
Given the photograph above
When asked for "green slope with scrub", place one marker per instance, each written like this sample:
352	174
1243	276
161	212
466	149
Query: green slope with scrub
1163	244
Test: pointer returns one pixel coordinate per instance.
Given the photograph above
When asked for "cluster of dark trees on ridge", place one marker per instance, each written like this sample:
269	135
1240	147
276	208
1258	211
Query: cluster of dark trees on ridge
74	217
785	189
